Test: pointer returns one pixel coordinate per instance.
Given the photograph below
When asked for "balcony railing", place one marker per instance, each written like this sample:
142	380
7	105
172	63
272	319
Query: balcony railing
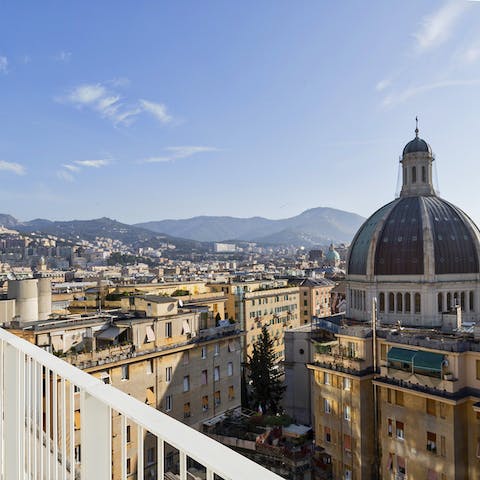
58	422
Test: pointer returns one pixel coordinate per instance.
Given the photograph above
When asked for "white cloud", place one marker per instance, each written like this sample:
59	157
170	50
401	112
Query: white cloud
92	163
3	64
158	110
471	54
12	167
71	168
176	153
410	92
62	56
110	104
438	27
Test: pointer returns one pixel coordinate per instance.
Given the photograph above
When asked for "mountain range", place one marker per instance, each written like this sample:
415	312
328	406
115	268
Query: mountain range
312	227
317	226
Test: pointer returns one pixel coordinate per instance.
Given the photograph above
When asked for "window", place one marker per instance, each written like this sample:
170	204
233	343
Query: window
328	434
229	369
150	456
431	406
347	443
204	352
401	465
347	475
78	453
432	442
204	377
129	434
399	302
418	304
186	410
389	395
231	392
472	305
186	357
347	383
389	427
218	398
327	406
129	466
204	403
443	410
216	350
216	374
168	374
391	302
383	351
443	446
399	397
168	329
424	174
327	380
478	369
382	302
125	372
149	366
186	383
414	174
407	302
347	413
305	303
168	403
399	430
440	302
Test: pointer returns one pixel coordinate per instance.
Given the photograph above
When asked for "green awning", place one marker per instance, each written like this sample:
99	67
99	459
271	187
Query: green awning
402	355
428	361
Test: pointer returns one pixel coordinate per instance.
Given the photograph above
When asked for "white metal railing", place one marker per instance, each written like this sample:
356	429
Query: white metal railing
60	423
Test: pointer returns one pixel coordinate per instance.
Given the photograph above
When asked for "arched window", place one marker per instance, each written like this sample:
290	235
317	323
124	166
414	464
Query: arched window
407	302
399	303
391	302
449	301
472	303
462	300
414	174
440	302
424	175
418	303
381	302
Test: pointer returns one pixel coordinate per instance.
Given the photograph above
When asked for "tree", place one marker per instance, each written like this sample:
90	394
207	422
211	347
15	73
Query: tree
267	389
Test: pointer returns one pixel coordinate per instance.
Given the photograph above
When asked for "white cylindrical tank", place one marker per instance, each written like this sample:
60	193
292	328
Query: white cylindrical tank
44	298
25	293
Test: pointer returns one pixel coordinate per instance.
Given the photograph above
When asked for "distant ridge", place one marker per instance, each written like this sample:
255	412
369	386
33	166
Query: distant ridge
312	227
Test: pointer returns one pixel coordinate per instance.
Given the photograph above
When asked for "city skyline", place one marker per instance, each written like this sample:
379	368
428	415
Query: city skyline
227	110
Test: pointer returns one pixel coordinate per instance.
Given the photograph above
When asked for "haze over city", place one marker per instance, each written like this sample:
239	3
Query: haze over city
170	110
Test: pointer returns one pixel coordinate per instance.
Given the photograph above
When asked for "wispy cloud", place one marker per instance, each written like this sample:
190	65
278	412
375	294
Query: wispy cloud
3	64
63	56
438	27
13	167
158	110
382	85
471	54
68	170
111	105
176	153
404	95
92	163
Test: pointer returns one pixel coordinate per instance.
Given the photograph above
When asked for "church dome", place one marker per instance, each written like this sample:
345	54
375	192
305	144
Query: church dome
417	145
396	238
332	255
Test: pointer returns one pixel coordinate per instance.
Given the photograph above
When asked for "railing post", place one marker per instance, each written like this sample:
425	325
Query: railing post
14	411
96	438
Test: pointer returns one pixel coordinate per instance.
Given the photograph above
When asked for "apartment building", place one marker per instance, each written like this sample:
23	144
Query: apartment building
270	303
314	297
176	360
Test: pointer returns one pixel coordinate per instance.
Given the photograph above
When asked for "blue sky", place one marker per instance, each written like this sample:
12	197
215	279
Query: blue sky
149	110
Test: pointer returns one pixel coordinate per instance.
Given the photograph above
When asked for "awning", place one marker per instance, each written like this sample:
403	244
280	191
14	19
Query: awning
428	361
402	355
110	333
150	334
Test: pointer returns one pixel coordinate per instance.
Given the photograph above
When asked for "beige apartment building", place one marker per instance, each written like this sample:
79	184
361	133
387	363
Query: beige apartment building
178	360
255	304
314	298
418	417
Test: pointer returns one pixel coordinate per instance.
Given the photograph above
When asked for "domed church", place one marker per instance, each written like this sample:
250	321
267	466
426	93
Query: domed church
418	255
